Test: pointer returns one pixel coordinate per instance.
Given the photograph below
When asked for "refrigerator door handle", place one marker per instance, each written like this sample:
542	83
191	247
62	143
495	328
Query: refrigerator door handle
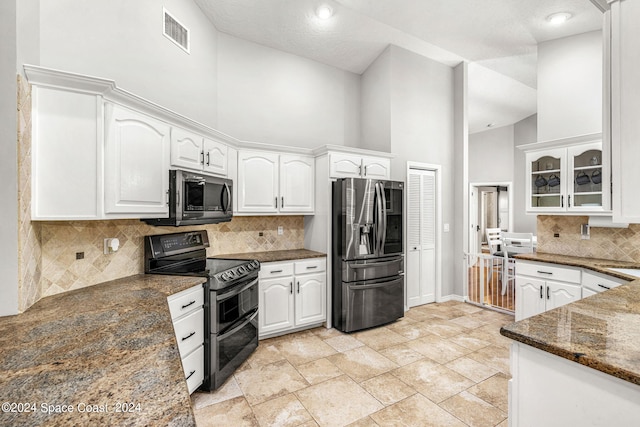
383	240
379	220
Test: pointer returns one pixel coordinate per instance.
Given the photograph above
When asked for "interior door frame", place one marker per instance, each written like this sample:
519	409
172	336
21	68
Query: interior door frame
437	170
474	206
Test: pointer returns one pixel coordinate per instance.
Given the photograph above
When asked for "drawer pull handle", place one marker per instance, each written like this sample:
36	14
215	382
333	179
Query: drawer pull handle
603	286
544	272
189	336
309	267
187	305
276	271
190	374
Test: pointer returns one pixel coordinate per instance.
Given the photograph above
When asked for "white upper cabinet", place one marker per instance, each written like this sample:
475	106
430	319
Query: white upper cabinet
275	183
567	179
625	110
343	165
65	155
136	163
192	151
296	183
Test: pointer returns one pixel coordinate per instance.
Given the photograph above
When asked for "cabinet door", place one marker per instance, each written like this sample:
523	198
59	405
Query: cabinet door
258	182
215	157
529	297
186	149
587	179
136	164
546	186
586	292
276	305
296	183
376	168
559	294
310	296
625	107
345	165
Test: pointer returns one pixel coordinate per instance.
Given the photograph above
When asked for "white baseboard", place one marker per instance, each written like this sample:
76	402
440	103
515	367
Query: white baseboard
451	297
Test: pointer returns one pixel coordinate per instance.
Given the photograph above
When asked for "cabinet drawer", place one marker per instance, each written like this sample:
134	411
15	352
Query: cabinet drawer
189	332
313	265
186	301
276	269
193	366
600	282
548	271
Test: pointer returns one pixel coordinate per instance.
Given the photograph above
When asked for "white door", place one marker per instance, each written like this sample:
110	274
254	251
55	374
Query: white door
215	157
136	154
296	183
186	149
559	294
275	305
529	297
421	238
258	182
310	298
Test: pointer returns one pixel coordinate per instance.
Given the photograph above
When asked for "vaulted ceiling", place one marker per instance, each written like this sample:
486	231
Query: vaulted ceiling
498	38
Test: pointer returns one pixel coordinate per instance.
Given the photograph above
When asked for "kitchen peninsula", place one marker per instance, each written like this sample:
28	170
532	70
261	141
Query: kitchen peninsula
578	364
102	355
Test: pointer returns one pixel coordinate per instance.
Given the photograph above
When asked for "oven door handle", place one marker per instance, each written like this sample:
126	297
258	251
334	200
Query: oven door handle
237	328
236	291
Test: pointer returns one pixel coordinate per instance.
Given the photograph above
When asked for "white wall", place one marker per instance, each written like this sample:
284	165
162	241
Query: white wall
491	155
118	40
524	132
8	160
376	104
421	123
267	95
570	86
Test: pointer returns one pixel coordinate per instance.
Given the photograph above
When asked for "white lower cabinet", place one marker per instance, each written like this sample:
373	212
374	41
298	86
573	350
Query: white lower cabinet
187	314
541	287
292	295
594	283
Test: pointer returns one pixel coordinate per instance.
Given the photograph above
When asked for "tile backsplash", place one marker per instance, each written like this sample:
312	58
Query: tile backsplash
620	244
62	240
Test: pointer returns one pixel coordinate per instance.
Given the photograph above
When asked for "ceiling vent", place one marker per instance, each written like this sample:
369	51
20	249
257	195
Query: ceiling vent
175	31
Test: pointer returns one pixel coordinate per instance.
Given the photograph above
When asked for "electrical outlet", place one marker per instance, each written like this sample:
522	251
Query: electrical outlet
280	230
79	255
260	234
556	234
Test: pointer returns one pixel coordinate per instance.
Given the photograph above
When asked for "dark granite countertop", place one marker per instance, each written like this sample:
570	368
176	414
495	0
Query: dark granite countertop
274	256
601	331
595	264
104	345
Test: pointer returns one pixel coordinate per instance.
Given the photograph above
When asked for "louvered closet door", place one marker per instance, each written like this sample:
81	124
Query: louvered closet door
421	237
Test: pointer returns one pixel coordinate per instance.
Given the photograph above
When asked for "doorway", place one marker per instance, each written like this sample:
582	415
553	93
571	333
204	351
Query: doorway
491	206
423	251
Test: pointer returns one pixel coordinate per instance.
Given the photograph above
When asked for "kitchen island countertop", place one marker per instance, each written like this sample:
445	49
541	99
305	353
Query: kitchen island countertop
601	331
109	348
275	256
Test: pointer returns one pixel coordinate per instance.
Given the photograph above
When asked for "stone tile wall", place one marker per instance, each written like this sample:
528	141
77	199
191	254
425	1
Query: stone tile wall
61	240
621	244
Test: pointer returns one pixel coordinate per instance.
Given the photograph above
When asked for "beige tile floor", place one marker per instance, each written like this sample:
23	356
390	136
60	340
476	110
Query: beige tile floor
441	365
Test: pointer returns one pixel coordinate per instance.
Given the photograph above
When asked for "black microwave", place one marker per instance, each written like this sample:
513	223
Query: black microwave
195	198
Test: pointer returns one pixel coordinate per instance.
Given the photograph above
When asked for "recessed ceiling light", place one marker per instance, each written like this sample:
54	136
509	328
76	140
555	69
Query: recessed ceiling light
324	12
558	18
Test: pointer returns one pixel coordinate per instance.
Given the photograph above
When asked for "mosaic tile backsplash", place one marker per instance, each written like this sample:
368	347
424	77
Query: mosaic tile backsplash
620	244
61	240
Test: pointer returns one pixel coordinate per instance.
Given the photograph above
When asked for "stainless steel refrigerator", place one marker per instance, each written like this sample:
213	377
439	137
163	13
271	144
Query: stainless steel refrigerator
367	253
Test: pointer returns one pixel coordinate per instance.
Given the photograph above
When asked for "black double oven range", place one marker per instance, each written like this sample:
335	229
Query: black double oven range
231	298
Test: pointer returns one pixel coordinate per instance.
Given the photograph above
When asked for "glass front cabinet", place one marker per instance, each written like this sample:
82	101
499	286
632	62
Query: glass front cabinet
567	179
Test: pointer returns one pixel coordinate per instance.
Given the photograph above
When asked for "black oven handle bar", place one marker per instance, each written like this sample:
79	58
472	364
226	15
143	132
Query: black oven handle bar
237	328
235	292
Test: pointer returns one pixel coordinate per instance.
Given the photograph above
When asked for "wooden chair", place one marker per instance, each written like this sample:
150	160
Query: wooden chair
512	244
